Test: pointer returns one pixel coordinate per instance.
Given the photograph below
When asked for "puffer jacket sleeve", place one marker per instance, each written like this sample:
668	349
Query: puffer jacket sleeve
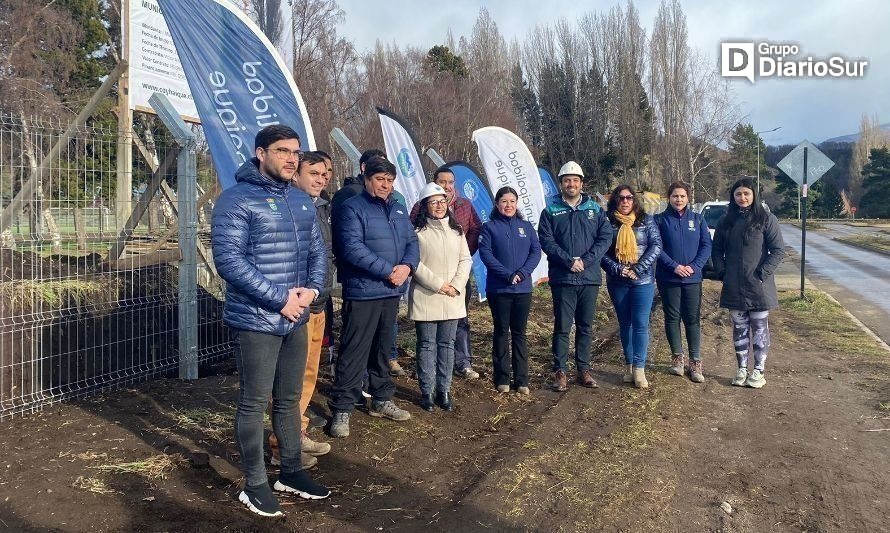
718	253
411	257
486	253
465	263
318	260
548	242
704	245
230	235
665	260
653	247
772	238
352	248
534	255
609	264
601	243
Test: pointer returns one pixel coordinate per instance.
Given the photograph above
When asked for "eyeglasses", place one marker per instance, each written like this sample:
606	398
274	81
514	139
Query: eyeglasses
628	197
438	202
284	153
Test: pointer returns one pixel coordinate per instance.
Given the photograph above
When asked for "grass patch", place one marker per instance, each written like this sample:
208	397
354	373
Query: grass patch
56	294
156	467
827	325
215	424
873	240
94	485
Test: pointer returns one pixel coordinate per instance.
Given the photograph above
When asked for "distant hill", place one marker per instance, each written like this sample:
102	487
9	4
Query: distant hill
853	137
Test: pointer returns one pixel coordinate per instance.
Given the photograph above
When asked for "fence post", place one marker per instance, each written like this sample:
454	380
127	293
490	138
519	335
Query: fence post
186	184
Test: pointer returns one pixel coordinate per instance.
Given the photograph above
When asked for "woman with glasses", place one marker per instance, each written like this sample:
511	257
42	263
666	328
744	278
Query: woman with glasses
629	266
435	302
510	250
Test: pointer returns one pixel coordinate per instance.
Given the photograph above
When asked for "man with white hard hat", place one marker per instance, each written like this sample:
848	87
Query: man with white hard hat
574	233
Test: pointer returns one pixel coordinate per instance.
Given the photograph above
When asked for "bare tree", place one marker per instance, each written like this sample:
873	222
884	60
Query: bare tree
871	136
267	14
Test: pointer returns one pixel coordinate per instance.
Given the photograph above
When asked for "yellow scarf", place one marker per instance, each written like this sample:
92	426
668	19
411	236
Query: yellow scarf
626	244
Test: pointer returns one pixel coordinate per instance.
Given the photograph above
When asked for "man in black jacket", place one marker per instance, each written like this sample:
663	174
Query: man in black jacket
574	233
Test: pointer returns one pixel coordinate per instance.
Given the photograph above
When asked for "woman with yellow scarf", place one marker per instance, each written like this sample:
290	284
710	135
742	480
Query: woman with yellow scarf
630	268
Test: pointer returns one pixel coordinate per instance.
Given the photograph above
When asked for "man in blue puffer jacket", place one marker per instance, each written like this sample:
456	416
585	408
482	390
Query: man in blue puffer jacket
268	247
376	251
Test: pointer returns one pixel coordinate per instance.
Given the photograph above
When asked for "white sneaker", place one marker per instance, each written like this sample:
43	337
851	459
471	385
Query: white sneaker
755	380
740	377
468	373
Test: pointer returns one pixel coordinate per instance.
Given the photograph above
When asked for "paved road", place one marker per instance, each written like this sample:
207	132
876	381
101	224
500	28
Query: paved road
857	278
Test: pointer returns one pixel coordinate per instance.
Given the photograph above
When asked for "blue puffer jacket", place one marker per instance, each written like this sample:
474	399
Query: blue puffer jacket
371	237
648	250
266	241
685	240
509	246
568	232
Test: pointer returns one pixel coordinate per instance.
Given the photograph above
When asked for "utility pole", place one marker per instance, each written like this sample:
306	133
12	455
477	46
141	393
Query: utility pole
758	154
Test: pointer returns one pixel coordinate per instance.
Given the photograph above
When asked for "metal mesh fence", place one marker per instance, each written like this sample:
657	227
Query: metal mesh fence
83	305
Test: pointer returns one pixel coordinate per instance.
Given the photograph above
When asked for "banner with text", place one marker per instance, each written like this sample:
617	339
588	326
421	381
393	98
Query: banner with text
154	66
469	185
238	80
507	162
401	150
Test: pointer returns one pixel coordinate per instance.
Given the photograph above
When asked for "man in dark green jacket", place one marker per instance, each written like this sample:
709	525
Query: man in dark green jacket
574	233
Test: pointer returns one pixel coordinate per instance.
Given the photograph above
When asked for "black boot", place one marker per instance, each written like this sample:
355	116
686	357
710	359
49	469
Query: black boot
426	402
445	402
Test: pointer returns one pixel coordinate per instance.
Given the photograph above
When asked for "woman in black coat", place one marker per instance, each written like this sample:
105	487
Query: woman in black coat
748	248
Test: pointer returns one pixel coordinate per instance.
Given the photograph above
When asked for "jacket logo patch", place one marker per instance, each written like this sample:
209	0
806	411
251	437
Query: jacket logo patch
304	208
399	211
522	232
272	205
590	215
691	225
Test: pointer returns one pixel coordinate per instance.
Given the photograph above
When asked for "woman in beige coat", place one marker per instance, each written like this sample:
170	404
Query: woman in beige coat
435	302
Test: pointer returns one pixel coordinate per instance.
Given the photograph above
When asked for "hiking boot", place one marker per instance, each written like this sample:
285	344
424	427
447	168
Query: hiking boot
339	427
395	369
426	402
301	484
756	379
306	460
586	380
388	409
523	390
639	375
467	372
740	377
260	500
678	362
503	388
560	381
445	401
628	374
695	374
314	448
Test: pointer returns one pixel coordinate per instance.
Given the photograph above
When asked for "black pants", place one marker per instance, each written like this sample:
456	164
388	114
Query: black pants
509	313
573	304
682	301
365	341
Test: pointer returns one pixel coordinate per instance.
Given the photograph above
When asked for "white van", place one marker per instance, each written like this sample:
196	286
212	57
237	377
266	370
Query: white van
713	212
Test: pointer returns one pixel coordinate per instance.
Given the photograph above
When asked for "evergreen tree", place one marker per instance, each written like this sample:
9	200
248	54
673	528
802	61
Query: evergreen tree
743	152
876	197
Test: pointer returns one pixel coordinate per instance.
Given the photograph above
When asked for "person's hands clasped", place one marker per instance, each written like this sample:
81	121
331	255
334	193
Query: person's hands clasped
684	271
628	272
448	290
296	303
577	265
399	274
515	279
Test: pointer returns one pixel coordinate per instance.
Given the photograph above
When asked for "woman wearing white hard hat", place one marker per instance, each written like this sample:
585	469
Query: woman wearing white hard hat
435	302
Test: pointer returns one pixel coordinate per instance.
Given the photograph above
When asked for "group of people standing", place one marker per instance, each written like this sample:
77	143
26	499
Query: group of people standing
276	239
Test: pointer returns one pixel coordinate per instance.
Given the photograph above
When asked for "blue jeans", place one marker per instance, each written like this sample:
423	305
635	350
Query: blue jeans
269	365
435	355
633	304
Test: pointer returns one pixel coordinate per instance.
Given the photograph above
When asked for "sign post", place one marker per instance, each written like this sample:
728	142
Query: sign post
804	164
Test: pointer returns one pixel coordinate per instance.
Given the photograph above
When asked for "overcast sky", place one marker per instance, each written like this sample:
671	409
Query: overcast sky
805	109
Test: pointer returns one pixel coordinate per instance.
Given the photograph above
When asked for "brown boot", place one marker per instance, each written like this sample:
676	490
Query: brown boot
628	374
678	364
640	378
560	381
586	380
695	372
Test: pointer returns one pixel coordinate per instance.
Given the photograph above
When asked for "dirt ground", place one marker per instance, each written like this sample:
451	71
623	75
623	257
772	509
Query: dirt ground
801	454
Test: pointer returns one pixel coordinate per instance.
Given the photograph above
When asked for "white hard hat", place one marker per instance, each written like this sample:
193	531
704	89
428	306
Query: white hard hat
432	189
571	169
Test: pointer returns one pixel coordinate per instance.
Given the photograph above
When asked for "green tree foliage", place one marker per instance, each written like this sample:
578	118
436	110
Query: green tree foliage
442	59
525	104
743	152
876	198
